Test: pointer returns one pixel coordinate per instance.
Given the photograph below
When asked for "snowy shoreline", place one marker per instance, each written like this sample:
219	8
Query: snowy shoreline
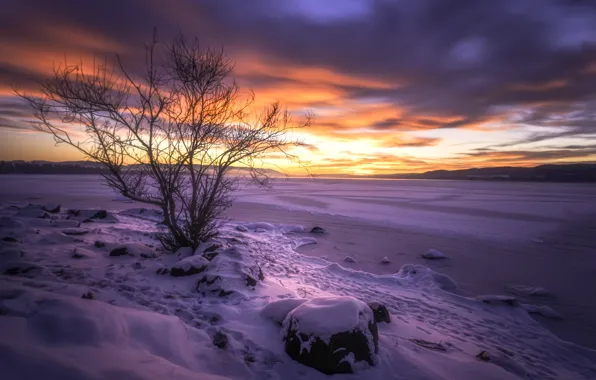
163	320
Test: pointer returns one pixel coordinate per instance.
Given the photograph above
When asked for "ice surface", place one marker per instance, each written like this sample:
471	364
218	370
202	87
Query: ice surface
153	326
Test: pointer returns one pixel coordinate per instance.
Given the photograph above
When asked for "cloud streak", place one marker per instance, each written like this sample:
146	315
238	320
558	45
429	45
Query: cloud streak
388	72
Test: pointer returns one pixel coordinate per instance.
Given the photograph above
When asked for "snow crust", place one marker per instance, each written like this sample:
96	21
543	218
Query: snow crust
142	325
327	316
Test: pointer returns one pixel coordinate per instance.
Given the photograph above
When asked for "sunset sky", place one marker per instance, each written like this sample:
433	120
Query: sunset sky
396	86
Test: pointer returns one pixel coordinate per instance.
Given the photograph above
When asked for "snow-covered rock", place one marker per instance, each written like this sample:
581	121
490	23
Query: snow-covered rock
318	230
528	291
241	228
424	277
544	310
231	271
385	260
277	311
189	266
75	231
332	334
433	254
133	249
349	259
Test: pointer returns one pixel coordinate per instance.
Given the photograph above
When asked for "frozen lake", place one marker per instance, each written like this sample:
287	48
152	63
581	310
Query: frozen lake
495	233
488	210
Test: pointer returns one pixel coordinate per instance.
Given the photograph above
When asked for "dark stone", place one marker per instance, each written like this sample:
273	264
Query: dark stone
177	272
327	357
9	239
225	293
250	280
162	271
120	251
210	255
212	248
138	265
220	340
484	356
88	296
100	214
317	230
88	220
73	212
196	264
380	311
99	244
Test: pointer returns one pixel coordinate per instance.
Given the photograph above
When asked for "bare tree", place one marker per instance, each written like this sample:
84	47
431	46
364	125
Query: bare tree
169	136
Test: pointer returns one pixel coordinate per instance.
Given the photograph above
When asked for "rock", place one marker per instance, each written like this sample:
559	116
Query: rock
189	266
528	291
385	260
220	340
9	239
332	334
88	296
380	312
75	231
120	251
349	259
162	271
99	244
241	228
317	230
52	208
230	272
433	254
544	310
277	311
134	249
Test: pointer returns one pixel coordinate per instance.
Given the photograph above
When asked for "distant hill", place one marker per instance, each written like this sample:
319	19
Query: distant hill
542	173
75	167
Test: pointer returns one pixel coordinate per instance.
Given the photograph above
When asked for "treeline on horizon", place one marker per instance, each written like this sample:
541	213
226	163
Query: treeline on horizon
542	173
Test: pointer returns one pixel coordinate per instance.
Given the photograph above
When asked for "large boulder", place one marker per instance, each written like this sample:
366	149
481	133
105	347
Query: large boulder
332	334
189	266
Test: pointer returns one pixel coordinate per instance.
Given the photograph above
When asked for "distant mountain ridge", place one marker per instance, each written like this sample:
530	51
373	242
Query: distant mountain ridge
542	173
72	167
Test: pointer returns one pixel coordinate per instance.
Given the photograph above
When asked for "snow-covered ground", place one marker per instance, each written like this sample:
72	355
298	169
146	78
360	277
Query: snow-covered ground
70	310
